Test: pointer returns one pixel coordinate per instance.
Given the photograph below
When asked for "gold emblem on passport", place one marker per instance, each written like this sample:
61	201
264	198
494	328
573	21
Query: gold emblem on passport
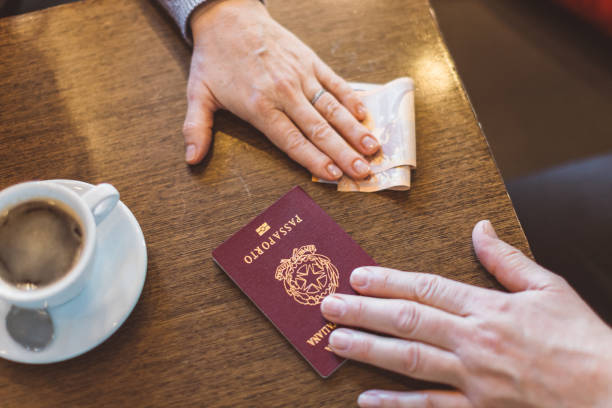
262	229
308	277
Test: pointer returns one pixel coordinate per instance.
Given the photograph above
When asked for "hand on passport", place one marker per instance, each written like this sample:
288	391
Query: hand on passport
539	345
245	62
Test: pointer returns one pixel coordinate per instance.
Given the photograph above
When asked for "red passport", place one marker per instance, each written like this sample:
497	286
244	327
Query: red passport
287	260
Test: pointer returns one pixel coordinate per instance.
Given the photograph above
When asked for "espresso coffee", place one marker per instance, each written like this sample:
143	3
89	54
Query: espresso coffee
40	241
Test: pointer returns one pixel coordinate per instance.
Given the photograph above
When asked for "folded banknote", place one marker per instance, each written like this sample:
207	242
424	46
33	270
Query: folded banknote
391	120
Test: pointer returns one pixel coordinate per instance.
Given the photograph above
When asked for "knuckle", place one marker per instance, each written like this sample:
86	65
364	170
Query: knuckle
192	97
285	86
426	287
320	132
387	282
411	359
193	94
504	255
512	256
295	142
260	102
406	319
190	128
300	71
487	338
332	108
358	311
363	348
503	304
336	84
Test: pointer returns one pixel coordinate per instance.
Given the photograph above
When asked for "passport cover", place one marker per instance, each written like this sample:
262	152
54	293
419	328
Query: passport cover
287	260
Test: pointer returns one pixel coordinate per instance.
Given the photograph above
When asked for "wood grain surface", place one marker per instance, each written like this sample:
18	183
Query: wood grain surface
95	91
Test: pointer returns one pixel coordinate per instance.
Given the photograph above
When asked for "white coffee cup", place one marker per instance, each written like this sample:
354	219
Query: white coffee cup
90	209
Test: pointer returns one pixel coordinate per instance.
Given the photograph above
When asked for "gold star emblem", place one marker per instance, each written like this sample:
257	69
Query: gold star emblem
311	278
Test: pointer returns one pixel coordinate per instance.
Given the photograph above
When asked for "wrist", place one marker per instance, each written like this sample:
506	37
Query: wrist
218	13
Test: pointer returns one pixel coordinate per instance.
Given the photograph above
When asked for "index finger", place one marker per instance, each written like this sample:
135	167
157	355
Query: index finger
412	358
433	290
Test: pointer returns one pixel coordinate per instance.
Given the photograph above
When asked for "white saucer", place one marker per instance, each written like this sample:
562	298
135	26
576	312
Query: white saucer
110	295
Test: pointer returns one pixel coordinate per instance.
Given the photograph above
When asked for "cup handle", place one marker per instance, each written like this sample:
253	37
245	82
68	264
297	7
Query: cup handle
101	200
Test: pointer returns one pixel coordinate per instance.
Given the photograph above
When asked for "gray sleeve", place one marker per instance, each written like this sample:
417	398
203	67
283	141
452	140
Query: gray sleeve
180	10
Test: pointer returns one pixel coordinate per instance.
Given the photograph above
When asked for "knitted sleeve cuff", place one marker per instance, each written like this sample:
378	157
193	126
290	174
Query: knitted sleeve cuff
181	10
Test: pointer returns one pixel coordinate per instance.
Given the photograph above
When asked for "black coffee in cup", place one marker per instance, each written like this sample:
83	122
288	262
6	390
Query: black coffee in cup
40	241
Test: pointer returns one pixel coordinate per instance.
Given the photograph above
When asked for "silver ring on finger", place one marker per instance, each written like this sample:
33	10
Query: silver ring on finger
317	96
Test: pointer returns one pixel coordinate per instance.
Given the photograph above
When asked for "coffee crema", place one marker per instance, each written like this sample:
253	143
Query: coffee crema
40	241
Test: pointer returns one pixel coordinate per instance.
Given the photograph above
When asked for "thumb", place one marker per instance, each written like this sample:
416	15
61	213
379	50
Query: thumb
509	265
197	128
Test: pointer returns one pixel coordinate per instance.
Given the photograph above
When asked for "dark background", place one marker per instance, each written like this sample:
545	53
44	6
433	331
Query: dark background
540	81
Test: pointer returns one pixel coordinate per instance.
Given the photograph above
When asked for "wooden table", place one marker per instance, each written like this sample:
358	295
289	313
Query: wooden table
95	91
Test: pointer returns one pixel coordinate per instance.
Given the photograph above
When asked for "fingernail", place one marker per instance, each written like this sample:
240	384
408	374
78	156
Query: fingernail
333	306
369	399
334	171
340	340
361	110
361	167
190	152
369	143
488	229
359	278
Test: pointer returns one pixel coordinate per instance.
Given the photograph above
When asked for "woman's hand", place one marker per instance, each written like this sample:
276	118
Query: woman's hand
247	63
539	346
